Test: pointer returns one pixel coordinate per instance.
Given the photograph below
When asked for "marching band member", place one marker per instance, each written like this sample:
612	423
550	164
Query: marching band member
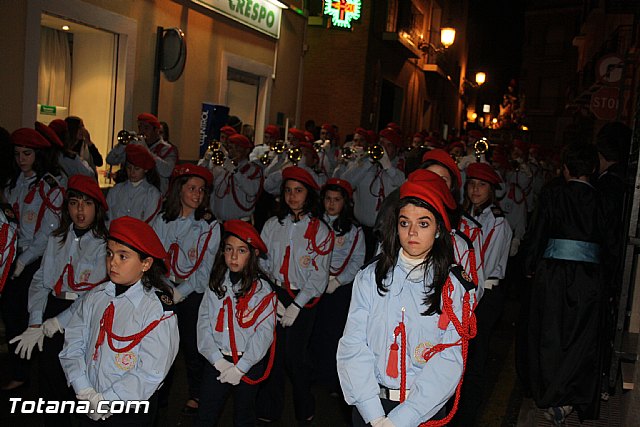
122	337
330	151
357	148
372	181
36	197
139	196
69	162
495	241
299	245
403	351
8	240
191	236
346	259
164	153
237	183
520	175
72	264
236	326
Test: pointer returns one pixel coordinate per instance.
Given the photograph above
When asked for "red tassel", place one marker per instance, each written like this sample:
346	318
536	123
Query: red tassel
220	321
443	321
392	365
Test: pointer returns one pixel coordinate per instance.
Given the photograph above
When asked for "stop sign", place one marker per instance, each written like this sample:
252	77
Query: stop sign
604	103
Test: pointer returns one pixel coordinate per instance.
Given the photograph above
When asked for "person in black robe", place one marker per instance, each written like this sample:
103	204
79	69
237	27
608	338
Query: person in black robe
567	295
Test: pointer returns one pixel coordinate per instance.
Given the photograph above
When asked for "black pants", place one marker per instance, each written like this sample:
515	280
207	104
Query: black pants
125	419
292	357
51	378
214	395
388	406
472	395
187	312
15	316
327	331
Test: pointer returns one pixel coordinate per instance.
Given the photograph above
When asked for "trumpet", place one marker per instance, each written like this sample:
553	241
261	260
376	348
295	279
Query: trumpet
320	144
217	155
375	152
480	147
294	154
124	137
279	146
347	153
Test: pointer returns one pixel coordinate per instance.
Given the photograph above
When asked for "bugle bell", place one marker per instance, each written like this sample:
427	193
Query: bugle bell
294	154
279	146
480	147
124	137
375	152
217	155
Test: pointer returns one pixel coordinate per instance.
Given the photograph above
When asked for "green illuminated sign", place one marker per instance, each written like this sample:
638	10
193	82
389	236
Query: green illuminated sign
260	15
342	12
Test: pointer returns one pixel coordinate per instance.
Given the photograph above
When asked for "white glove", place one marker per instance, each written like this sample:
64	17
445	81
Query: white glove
208	155
229	166
280	309
94	399
28	340
515	245
377	422
233	375
258	152
290	315
386	422
385	161
332	286
18	270
177	295
50	327
222	365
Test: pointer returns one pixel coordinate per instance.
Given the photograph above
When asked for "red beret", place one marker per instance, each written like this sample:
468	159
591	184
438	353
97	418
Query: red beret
137	234
49	133
240	140
372	137
87	185
139	156
341	183
431	188
442	157
228	130
328	127
419	135
298	174
484	172
59	126
395	127
297	134
245	232
362	131
188	169
272	130
455	144
29	138
149	118
308	136
392	136
520	144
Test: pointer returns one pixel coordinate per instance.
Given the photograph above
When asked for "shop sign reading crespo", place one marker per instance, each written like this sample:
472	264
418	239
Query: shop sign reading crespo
260	15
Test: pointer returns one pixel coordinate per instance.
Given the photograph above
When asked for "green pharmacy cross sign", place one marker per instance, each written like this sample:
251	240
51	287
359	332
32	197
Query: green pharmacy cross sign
342	12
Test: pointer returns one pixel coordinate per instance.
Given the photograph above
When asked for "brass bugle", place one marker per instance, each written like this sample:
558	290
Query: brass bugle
279	146
375	152
480	147
217	155
294	154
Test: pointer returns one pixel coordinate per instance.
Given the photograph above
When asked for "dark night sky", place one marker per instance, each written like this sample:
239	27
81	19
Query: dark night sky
496	32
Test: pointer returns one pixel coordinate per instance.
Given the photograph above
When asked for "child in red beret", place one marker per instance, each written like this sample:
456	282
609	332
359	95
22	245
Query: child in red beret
72	264
191	236
236	326
139	196
123	337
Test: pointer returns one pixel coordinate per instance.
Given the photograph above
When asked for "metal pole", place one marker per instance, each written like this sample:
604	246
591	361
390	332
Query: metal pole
155	95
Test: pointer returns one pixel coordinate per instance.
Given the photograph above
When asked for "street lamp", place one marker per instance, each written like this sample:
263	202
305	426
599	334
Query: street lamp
447	37
480	78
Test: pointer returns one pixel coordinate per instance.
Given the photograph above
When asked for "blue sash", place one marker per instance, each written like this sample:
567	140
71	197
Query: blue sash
572	250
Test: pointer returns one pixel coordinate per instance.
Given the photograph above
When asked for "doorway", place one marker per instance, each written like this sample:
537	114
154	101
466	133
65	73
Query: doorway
243	89
391	98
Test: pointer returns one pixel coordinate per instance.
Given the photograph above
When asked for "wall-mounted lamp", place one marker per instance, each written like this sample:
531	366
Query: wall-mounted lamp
481	77
447	37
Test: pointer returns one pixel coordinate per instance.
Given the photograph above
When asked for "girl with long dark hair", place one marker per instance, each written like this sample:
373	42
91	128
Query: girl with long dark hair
403	350
72	264
191	236
236	326
36	197
122	337
299	244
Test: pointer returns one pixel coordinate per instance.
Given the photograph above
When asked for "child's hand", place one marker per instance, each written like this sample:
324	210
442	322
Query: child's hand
290	315
31	337
51	326
332	286
222	365
233	375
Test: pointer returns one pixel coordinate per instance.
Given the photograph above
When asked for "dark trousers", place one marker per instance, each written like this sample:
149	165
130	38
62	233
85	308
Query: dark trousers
214	395
125	419
292	357
51	378
15	316
472	396
388	406
187	312
327	331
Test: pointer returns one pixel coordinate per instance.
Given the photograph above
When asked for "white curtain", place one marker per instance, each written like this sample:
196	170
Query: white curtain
54	77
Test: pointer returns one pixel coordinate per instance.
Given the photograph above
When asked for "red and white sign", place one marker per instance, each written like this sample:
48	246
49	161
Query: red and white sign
604	103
